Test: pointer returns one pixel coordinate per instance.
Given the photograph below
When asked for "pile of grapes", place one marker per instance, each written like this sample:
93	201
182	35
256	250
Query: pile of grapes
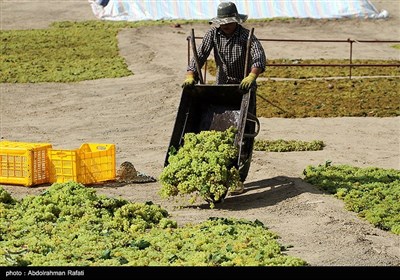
203	166
70	225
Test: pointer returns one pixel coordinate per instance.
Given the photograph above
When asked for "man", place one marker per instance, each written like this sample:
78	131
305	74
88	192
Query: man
229	41
228	38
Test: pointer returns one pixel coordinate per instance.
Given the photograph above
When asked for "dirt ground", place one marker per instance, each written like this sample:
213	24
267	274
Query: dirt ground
137	114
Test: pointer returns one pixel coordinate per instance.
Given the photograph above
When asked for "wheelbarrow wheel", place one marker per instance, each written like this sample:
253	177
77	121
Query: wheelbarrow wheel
211	199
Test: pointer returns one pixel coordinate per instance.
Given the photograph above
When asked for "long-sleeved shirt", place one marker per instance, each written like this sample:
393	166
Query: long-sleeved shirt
229	54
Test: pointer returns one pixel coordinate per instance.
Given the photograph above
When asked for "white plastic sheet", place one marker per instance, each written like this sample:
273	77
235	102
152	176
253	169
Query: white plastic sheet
137	10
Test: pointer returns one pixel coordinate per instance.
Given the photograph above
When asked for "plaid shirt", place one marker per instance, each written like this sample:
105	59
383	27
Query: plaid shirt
229	54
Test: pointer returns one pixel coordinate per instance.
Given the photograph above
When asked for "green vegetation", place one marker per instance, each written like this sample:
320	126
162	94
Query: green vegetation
329	98
306	72
373	193
303	72
65	52
306	97
203	166
282	145
69	225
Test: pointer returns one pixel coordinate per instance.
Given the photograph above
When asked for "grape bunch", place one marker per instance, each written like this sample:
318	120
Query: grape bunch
203	166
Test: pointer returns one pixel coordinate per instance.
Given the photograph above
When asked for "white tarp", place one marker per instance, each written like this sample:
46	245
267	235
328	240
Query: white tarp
136	10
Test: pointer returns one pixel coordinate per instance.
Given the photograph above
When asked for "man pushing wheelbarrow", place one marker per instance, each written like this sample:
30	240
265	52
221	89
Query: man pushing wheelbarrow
240	59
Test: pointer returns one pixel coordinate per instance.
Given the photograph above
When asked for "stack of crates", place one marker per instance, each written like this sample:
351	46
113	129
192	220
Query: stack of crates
23	163
30	164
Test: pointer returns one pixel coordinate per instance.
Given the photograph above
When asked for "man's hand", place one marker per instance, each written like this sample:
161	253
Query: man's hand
248	82
189	81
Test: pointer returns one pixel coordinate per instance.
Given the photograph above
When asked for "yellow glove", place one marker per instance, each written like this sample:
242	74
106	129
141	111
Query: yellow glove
189	81
248	82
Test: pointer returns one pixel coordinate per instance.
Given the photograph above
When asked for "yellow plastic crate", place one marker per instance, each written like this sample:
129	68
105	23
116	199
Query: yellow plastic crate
23	163
64	165
91	163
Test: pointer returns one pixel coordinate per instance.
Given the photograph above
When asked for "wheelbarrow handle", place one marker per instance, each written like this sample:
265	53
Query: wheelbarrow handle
252	118
248	46
196	57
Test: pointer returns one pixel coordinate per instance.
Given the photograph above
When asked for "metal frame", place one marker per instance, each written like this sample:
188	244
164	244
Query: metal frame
348	41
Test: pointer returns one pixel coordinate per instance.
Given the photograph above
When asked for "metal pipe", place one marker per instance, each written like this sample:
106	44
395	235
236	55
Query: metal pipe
351	65
335	65
188	48
196	58
351	57
248	47
329	41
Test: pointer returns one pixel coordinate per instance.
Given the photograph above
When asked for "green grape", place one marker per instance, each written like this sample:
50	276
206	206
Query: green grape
204	165
49	230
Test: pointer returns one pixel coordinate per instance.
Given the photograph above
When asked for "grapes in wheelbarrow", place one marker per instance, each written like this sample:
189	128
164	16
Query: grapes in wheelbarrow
203	165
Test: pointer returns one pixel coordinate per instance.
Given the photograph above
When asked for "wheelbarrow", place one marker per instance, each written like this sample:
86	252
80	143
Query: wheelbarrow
218	107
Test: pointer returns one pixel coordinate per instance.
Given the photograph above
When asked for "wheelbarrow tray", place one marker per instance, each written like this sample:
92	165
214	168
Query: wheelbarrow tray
216	107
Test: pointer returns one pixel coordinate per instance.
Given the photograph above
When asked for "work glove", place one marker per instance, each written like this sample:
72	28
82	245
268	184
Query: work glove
189	81
248	82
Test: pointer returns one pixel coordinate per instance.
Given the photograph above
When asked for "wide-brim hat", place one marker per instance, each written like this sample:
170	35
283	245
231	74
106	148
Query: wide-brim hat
227	13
